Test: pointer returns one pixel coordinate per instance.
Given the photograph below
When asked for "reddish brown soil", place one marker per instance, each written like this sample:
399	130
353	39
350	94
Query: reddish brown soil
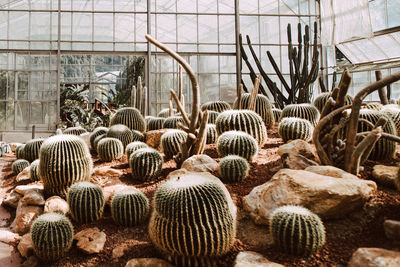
363	228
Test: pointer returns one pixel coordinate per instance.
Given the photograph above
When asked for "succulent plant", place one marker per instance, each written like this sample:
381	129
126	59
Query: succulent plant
171	122
19	165
164	113
233	169
218	106
303	111
20	151
374	106
211	134
109	149
137	136
263	108
34	171
75	130
97	132
242	120
212	116
129	117
147	119
52	235
64	160
155	124
122	133
132	147
97	140
320	101
129	207
145	163
86	202
277	114
294	128
171	141
32	148
194	218
297	231
237	143
394	114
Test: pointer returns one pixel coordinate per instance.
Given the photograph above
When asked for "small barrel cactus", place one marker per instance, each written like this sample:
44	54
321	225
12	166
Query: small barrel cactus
171	141
132	147
320	101
122	133
129	117
19	165
129	207
218	106
137	136
303	111
145	163
374	106
233	169
109	149
97	132
64	160
164	113
20	151
52	235
32	149
277	114
394	114
295	128
86	202
97	140
155	124
75	130
237	143
34	171
242	120
212	116
171	122
211	134
297	231
263	108
147	119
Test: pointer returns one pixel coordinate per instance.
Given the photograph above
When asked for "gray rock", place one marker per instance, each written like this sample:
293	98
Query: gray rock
374	257
12	199
253	259
25	246
385	175
56	204
33	197
200	163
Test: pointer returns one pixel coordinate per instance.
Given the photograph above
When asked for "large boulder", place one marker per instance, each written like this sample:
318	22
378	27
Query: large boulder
25	175
328	196
57	205
12	199
374	257
25	215
299	147
385	175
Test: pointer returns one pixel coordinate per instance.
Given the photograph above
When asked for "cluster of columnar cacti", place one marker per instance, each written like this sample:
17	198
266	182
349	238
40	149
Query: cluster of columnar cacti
194	218
320	101
155	124
211	134
75	130
19	165
242	120
171	142
212	116
129	207
296	230
237	143
122	133
32	149
20	151
109	149
34	171
52	235
145	163
97	132
129	117
303	111
295	128
164	113
394	114
277	114
64	160
218	106
233	168
263	108
374	106
171	122
86	202
132	147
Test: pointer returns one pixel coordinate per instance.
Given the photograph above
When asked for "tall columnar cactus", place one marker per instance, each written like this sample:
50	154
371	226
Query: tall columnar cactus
218	106
242	120
394	114
145	163
52	235
212	116
233	169
263	108
211	134
171	141
295	128
109	149
320	101
129	117
75	130
194	218
171	122
132	147
19	165
303	111
374	106
64	160
86	202
97	132
122	133
34	171
237	143
129	207
20	151
296	230
277	114
164	113
32	148
155	124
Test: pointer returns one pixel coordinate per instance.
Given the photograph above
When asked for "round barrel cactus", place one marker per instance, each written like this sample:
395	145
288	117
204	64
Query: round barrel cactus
129	207
211	134
242	120
75	130
145	163
374	106
171	122
297	231
263	108
237	143
294	128
171	142
109	149
212	116
20	151
34	171
132	147
19	165
122	133
97	132
277	114
137	136
394	114
155	124
320	101
303	111
64	160
32	148
97	140
164	113
194	218
129	117
233	169
86	202
218	106
52	235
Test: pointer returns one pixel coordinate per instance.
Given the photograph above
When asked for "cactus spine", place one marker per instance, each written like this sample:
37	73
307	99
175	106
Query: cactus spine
97	132
122	133
20	151
394	114
211	134
109	149
171	141
155	124
303	111
75	130
237	143
171	122
19	165
132	147
129	207
34	171
129	117
218	106
263	108
145	163
212	116
295	128
32	148
97	140
233	169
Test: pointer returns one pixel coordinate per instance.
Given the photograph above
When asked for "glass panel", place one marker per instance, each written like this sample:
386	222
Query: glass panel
227	64
83	5
269	32
166	28
103	29
22	114
207	6
269	7
208	64
377	13
124	30
226	29
167	5
208	29
66	26
226	6
124	5
187	29
284	23
393	7
40	26
248	7
19	25
141	27
105	5
249	26
304	7
209	85
3	24
186	6
42	4
82	27
290	7
228	87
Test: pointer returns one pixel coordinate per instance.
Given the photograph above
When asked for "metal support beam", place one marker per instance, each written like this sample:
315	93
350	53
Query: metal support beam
238	56
58	119
148	58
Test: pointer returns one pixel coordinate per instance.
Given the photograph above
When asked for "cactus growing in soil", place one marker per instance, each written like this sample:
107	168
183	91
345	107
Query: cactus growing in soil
164	113
242	120
303	111
374	106
129	117
20	151
212	116
132	147
145	163
394	114
75	130
194	218
32	148
263	108
171	122
86	202
52	235
109	149
320	101
171	141
277	114
218	106
122	133
34	171
211	134
97	132
155	124
129	207
64	160
237	143
19	165
296	230
295	128
97	140
233	168
137	136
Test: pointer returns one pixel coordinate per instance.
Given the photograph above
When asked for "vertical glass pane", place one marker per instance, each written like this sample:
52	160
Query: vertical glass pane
167	5
40	26
208	64
124	5
208	29
228	87
66	25
141	27
207	6
82	27
393	7
186	6
290	7
19	25
226	29
226	6
227	64
269	30
104	5
22	115
249	26
82	5
3	24
209	85
166	28
187	29
124	27
269	7
103	27
248	7
377	13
